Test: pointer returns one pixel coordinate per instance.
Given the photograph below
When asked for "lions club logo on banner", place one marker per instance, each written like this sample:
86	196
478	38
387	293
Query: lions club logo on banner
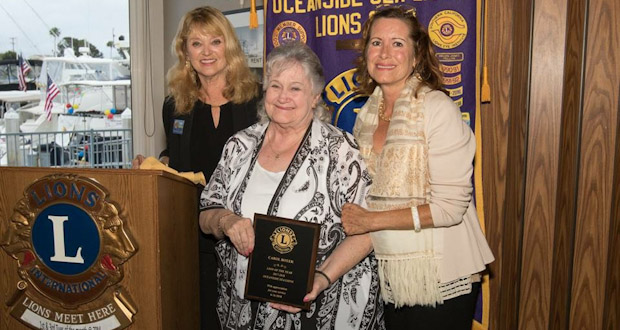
288	31
340	94
69	242
447	29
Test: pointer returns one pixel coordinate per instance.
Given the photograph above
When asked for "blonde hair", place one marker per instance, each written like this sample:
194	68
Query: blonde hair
427	65
183	82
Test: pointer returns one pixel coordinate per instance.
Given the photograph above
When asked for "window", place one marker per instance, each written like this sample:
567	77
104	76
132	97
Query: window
83	47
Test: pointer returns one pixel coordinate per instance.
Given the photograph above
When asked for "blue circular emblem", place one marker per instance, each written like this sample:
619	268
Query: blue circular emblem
66	239
447	29
346	112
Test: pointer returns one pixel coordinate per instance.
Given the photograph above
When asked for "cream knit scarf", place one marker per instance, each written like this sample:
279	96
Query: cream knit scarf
408	264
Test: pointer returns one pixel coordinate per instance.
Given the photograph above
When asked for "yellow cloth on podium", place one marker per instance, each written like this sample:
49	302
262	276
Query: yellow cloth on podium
151	163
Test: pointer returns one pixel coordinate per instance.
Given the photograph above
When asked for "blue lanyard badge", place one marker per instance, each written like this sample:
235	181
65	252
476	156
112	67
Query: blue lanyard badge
177	127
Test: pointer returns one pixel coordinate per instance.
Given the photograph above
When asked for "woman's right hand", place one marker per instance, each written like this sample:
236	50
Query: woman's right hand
240	232
136	162
355	219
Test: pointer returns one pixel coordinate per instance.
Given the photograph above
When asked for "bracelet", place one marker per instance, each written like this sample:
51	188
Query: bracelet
416	219
329	282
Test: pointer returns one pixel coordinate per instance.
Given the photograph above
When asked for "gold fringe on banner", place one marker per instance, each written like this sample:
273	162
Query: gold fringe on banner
253	16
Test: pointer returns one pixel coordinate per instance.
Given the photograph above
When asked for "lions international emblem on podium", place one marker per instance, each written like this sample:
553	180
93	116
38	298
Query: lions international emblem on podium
69	242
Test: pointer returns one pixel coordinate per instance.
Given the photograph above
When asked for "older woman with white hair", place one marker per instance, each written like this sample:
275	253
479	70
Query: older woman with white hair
294	165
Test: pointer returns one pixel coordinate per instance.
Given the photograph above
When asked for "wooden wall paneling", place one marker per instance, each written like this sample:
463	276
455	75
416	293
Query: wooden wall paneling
545	105
602	78
611	312
506	311
565	207
494	127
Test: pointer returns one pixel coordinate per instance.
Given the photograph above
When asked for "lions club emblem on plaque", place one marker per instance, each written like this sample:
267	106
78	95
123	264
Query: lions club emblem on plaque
70	243
283	239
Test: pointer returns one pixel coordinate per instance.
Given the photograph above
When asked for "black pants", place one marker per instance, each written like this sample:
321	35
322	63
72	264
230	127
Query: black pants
208	283
454	314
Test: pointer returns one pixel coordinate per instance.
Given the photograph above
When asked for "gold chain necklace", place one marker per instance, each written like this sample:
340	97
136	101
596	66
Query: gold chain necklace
382	111
276	155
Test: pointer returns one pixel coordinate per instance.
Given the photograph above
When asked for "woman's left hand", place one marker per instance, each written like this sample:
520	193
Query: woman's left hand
355	219
320	284
285	308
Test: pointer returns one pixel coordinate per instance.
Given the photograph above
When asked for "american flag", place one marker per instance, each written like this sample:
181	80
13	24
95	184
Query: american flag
52	92
22	71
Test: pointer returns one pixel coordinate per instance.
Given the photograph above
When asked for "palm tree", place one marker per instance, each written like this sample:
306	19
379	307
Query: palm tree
55	32
111	45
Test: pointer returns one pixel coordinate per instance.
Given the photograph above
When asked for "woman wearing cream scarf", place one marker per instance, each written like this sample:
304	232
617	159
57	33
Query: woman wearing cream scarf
421	216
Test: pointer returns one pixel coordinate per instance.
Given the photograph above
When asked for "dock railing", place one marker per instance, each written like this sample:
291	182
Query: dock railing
109	148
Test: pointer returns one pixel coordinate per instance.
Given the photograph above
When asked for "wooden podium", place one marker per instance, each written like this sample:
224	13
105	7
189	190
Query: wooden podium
160	279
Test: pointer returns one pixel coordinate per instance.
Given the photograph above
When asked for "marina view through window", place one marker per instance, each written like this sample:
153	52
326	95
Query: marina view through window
65	84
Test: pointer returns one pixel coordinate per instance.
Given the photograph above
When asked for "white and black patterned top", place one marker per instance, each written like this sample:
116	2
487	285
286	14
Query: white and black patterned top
326	172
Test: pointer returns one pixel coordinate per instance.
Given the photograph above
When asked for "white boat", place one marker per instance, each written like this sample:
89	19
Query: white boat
10	96
15	100
17	97
89	87
9	74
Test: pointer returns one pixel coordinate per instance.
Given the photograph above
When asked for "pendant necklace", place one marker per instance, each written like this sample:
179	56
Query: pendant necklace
276	155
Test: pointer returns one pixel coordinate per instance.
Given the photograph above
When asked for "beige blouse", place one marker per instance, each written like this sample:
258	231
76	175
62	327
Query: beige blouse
451	150
459	243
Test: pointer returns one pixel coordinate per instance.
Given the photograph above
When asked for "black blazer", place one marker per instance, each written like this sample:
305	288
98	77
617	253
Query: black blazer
178	145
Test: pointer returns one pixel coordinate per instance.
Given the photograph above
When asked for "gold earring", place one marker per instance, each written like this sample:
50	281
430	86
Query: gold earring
188	65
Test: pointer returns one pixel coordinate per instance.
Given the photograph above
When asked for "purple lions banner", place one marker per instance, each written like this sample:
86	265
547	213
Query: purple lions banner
332	28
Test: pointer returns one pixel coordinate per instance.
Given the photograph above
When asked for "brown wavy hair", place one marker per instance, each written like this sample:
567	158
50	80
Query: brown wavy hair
427	65
183	82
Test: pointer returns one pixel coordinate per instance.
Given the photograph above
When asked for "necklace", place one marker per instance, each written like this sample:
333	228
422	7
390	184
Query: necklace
382	111
276	155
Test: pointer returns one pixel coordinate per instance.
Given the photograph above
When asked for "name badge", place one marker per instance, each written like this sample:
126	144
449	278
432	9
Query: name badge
177	127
